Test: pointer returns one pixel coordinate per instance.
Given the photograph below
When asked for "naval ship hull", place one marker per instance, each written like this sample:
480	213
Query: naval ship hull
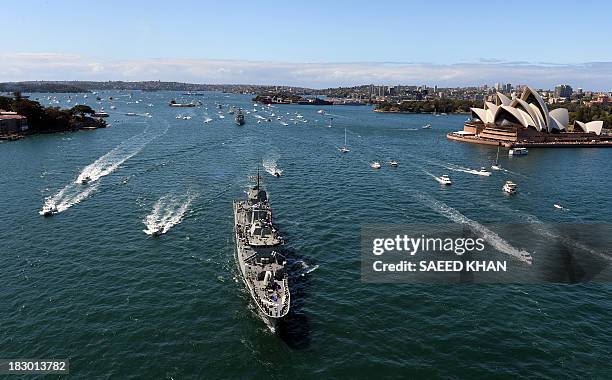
271	322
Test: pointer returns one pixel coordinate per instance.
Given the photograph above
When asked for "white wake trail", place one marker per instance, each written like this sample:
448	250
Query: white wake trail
69	196
167	212
494	239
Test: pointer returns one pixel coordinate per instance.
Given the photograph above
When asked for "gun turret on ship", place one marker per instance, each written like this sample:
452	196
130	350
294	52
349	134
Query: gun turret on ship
261	266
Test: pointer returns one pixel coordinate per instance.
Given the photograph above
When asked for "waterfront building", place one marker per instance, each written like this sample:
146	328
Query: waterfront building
527	120
12	123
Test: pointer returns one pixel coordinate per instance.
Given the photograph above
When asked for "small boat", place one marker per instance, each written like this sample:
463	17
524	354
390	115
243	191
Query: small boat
518	152
560	207
444	180
85	180
375	165
276	173
483	172
186	117
321	112
207	120
49	210
496	166
100	114
344	148
131	114
157	232
509	187
426	126
393	163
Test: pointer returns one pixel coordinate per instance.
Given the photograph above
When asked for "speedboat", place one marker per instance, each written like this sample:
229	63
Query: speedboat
496	167
321	112
426	126
375	165
207	120
157	232
509	187
49	210
444	180
483	172
85	180
518	152
276	173
393	163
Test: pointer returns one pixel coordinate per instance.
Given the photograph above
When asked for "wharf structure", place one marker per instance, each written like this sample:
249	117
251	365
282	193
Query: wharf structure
525	121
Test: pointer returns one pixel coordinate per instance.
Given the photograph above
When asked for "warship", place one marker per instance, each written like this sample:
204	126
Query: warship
261	266
239	117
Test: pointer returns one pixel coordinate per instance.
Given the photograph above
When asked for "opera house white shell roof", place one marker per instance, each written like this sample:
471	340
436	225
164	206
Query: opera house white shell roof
529	111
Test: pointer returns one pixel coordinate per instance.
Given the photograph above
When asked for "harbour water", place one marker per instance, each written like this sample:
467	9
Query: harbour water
92	285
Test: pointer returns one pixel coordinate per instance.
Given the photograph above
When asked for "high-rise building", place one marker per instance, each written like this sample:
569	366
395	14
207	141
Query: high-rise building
563	91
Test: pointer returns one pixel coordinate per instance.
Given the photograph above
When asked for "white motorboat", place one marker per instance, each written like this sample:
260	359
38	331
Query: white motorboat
509	187
444	180
49	210
85	180
393	163
207	120
518	152
483	172
426	126
375	165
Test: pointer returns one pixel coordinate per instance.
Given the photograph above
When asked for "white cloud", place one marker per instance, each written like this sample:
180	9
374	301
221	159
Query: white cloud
54	66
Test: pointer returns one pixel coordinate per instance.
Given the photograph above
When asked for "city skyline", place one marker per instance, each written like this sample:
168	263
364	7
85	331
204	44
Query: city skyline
314	45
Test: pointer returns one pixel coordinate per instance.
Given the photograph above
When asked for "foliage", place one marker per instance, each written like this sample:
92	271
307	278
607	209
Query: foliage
51	119
430	106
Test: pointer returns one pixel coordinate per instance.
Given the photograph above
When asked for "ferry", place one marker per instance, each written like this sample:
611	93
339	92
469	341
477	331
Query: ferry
509	187
518	152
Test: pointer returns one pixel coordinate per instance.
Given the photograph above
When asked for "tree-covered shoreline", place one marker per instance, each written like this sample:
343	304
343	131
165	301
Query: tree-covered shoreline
429	106
51	119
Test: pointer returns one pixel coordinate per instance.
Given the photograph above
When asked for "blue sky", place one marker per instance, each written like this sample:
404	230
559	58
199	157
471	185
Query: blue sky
316	43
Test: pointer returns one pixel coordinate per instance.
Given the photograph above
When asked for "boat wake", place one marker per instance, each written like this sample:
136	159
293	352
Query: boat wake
69	196
109	162
491	237
271	166
167	212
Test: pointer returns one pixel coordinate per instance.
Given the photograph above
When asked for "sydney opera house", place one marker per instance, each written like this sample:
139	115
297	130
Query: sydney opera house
526	120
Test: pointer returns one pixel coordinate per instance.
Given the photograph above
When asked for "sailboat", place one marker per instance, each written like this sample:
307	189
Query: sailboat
344	148
497	166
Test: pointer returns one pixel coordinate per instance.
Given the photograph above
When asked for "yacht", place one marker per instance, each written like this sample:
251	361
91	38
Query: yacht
483	172
344	148
509	187
444	180
496	166
426	126
393	163
518	152
375	165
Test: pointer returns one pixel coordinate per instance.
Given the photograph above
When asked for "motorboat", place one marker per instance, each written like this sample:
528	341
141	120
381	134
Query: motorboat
393	163
49	210
426	126
509	187
375	165
85	180
518	152
276	173
444	180
483	171
157	232
321	112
